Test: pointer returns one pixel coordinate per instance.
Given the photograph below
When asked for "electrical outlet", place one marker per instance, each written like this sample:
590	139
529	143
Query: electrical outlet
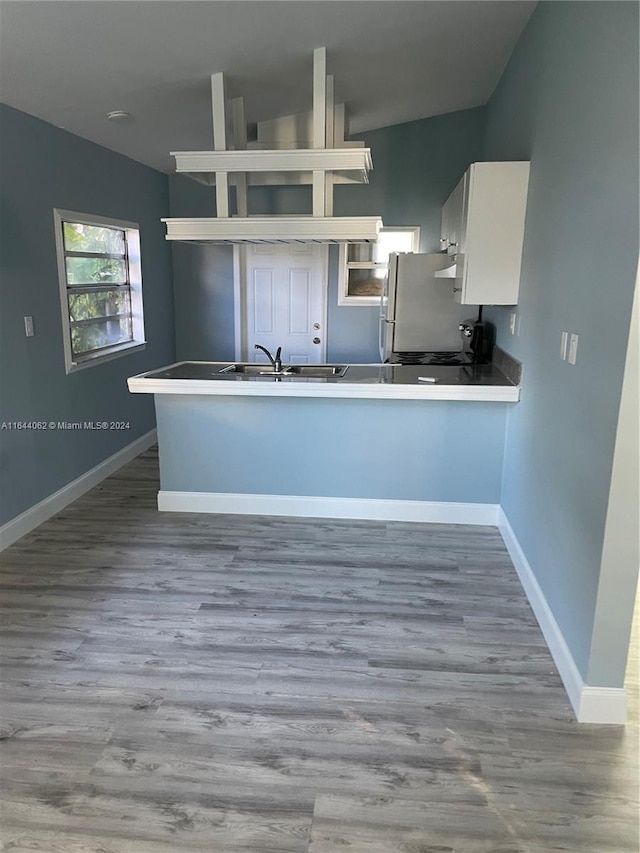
573	349
564	342
28	327
513	318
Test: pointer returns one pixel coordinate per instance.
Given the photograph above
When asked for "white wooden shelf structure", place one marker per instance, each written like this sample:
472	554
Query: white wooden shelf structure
274	229
329	160
355	163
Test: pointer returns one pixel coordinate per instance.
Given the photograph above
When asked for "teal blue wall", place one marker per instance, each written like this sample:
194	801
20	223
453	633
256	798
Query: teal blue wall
381	449
203	282
568	101
42	167
416	165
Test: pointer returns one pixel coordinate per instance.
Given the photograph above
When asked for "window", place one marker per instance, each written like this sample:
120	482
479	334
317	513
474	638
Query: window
100	287
364	266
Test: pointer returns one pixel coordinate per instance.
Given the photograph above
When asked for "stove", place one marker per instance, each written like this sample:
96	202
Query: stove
443	359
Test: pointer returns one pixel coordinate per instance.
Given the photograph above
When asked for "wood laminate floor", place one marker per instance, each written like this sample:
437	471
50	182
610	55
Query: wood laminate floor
177	682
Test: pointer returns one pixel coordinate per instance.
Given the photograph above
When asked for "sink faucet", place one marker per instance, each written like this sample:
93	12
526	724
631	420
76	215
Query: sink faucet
276	362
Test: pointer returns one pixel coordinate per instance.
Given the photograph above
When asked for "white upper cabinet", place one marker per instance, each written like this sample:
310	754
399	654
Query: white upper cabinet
483	232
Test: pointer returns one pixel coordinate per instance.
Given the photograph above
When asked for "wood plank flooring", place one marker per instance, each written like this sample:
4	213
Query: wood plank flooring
177	682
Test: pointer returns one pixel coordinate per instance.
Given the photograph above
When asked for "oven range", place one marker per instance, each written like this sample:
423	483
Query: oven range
444	359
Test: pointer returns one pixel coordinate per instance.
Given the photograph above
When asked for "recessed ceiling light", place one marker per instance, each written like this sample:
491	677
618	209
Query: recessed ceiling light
118	115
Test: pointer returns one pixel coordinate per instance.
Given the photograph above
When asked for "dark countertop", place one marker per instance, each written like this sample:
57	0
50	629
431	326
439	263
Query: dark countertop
382	374
479	383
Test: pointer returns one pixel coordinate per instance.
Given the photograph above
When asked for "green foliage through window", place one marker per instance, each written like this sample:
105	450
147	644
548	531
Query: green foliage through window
98	288
79	237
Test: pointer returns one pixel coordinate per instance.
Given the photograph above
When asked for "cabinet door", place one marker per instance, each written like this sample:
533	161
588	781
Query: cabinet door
494	233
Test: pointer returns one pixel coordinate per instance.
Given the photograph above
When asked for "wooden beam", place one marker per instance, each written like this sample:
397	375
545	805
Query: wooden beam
276	229
277	160
222	194
240	143
318	194
329	142
218	107
319	97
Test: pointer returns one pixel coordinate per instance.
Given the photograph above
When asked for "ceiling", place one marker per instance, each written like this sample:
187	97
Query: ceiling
71	62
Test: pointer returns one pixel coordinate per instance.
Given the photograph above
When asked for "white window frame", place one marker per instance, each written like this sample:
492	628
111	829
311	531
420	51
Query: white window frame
132	238
344	266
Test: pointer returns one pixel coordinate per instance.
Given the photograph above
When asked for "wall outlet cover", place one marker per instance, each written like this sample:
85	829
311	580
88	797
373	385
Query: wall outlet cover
573	349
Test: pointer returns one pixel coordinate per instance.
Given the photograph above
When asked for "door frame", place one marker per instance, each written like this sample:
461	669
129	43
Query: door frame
240	300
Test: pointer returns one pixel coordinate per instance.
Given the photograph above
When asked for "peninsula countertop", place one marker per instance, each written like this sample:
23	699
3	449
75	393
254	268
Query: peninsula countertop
481	382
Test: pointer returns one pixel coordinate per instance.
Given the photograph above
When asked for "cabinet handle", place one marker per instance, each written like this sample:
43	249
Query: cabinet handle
457	290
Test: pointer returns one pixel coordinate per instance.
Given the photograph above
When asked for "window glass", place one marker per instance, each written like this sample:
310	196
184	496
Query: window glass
79	237
100	285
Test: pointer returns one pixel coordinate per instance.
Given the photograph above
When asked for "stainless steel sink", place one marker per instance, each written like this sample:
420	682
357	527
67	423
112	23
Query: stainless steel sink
291	371
252	369
318	371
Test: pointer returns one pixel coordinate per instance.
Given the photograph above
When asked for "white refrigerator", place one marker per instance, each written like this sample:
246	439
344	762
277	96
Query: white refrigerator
418	312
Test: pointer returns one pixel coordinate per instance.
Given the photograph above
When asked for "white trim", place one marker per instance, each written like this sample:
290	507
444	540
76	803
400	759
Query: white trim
325	304
36	515
238	303
310	506
591	704
319	100
109	354
605	705
275	229
239	125
218	112
276	160
231	385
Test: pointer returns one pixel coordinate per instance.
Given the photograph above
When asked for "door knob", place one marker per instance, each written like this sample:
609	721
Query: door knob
316	340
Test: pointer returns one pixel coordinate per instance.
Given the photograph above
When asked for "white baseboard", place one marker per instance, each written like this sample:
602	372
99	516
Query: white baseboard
35	515
591	704
603	705
309	506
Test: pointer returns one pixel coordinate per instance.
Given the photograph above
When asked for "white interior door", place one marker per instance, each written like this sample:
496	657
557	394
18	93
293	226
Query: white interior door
285	296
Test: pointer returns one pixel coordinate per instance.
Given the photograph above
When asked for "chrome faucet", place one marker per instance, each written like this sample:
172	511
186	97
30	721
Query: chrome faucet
276	362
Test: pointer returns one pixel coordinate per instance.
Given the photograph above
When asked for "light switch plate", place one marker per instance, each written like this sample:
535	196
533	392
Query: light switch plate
573	349
28	327
564	342
513	318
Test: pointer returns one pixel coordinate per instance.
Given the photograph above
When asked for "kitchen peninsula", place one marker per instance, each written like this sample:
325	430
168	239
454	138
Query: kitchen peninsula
359	441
